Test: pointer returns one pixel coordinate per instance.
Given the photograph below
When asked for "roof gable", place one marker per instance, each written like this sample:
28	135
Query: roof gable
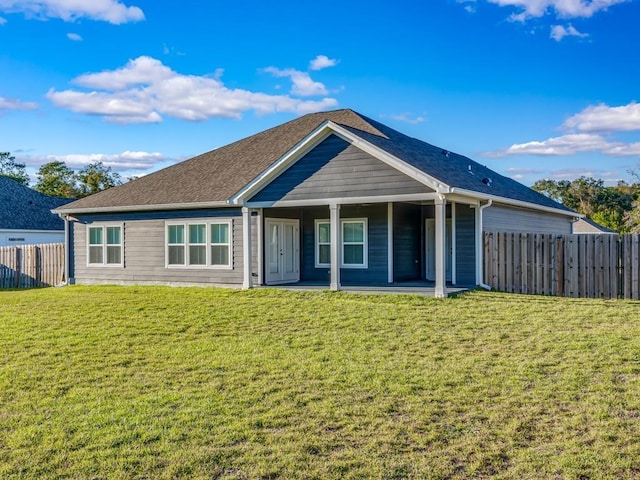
335	168
22	208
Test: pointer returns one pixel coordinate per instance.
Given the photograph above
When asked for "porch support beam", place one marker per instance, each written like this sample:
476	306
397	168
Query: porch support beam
334	210
441	215
247	256
390	242
260	246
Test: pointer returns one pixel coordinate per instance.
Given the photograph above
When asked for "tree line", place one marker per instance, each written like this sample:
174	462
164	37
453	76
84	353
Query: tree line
615	207
57	179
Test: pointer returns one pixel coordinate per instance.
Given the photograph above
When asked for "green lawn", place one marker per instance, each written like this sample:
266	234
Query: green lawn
164	383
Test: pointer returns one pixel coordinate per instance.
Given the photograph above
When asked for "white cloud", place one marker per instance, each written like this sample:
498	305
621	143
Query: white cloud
74	37
559	8
112	11
603	118
128	160
322	61
558	32
408	118
3	21
564	145
145	90
15	104
302	83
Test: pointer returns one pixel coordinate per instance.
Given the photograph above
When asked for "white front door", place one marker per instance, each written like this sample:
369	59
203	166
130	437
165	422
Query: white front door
431	249
282	250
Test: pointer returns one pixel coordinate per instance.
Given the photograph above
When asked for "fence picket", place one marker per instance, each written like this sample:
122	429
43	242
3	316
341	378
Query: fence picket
28	266
594	266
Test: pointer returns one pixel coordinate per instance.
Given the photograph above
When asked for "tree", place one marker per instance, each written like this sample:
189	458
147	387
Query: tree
55	178
12	169
608	206
95	177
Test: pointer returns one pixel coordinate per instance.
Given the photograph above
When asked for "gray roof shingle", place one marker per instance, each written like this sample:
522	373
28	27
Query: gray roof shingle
217	175
22	208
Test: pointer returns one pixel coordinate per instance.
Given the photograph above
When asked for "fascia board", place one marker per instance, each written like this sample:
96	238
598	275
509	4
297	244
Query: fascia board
143	208
517	203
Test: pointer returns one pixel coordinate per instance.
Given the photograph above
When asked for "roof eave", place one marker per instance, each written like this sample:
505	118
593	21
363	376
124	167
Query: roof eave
143	208
516	203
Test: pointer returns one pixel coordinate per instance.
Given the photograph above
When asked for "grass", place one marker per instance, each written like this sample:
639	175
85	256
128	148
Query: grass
165	383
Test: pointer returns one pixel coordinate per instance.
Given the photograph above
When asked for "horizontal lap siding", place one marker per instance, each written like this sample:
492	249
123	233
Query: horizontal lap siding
144	257
517	220
337	169
465	245
376	272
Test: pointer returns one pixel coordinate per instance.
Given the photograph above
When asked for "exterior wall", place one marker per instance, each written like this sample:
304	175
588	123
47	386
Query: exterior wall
144	250
337	169
500	218
30	237
377	270
465	245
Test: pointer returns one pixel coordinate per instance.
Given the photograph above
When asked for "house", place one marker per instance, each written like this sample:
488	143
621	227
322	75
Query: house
332	198
25	215
586	225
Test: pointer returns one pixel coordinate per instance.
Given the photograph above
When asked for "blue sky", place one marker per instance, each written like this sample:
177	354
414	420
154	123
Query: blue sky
531	88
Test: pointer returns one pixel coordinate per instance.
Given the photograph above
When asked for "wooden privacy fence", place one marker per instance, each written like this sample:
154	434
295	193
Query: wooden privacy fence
585	266
28	266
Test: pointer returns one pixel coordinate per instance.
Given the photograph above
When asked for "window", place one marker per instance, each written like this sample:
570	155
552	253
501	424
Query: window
323	243
353	248
175	245
201	244
220	244
198	244
105	245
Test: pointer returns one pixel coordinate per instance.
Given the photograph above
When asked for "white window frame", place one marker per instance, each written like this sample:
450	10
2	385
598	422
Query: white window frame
364	243
317	243
228	244
208	244
104	245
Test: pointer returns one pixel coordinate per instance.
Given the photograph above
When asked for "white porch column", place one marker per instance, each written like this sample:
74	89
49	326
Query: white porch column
335	246
441	215
390	242
260	246
247	281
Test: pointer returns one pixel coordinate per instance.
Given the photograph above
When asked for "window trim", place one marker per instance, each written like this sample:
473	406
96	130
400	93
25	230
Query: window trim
208	243
104	245
364	243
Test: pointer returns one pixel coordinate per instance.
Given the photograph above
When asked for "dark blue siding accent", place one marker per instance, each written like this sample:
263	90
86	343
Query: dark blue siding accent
407	229
377	271
159	215
465	245
337	169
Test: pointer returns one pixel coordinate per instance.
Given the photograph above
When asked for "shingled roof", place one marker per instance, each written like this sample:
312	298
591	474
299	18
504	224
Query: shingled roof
22	208
217	175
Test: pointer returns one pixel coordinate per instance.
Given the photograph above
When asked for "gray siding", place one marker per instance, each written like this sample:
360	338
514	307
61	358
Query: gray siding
500	218
465	245
377	271
337	169
144	252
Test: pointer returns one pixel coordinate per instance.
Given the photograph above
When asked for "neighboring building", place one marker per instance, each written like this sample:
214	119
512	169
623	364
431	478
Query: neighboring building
586	225
332	198
25	215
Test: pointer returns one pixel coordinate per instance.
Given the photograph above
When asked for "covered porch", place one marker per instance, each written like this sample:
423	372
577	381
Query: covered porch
426	245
